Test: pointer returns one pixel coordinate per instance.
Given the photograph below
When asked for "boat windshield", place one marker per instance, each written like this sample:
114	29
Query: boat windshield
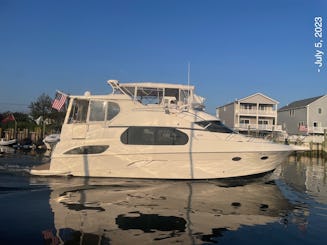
214	126
154	95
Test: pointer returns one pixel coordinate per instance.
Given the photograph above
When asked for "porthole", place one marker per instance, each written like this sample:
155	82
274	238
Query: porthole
236	158
264	158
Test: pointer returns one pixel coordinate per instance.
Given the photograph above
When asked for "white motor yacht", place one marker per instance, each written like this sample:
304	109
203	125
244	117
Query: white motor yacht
154	130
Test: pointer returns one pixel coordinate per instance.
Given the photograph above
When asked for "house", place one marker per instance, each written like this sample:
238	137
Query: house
303	117
256	113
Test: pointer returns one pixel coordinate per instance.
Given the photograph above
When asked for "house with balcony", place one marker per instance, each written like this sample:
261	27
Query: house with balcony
304	117
255	113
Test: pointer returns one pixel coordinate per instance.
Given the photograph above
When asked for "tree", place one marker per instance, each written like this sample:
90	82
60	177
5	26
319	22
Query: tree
41	107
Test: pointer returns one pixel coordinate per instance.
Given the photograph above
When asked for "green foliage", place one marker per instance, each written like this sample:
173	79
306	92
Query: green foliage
41	107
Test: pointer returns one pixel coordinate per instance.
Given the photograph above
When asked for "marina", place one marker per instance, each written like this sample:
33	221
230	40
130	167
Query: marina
211	130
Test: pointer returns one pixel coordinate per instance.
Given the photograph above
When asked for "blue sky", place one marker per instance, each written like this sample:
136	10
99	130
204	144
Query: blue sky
235	47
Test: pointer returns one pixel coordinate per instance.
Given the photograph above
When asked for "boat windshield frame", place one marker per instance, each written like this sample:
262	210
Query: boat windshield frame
154	93
215	126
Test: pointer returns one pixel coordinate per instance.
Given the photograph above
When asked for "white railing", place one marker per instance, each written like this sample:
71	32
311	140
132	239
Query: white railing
267	127
316	130
256	112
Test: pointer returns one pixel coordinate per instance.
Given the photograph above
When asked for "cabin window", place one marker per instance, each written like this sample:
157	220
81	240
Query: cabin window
172	92
90	149
153	136
319	110
184	94
97	110
214	126
112	110
78	113
148	95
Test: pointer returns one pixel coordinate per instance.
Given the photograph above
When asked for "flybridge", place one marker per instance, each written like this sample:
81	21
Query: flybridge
160	93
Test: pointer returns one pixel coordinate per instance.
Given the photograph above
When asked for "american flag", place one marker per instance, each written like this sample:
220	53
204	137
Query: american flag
59	101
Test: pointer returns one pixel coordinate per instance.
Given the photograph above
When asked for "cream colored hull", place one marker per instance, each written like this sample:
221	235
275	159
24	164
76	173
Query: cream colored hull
204	165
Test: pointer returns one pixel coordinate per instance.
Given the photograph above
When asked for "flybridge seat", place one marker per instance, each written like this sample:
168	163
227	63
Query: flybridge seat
171	95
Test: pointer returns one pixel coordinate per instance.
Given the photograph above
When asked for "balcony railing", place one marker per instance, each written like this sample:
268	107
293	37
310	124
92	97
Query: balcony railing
263	127
316	130
255	112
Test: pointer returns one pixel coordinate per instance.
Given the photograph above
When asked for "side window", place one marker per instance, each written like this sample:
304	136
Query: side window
112	110
97	110
78	111
153	136
218	126
90	149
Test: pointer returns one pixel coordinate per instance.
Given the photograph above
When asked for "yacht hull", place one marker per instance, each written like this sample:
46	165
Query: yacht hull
204	165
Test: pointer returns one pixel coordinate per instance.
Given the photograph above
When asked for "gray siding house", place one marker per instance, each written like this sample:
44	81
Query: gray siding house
303	117
256	112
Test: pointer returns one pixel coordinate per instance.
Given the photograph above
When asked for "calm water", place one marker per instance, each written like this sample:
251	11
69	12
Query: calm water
289	207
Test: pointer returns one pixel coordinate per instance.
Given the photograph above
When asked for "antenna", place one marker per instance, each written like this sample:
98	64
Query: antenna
188	73
188	81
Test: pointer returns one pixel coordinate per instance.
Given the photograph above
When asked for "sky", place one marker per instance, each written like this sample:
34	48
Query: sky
235	48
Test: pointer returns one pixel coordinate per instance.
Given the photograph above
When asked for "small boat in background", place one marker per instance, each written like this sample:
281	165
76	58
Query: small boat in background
6	150
4	142
25	144
51	140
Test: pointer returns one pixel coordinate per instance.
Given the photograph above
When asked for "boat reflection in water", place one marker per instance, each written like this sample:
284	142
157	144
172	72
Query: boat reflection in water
120	211
307	175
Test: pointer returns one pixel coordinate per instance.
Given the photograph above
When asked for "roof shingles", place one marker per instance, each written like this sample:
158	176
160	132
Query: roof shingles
300	103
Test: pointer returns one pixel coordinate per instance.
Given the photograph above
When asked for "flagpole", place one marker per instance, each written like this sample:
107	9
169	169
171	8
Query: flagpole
15	130
43	130
60	92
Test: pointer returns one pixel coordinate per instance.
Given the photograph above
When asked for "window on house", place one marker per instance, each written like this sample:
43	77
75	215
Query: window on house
292	113
301	123
247	106
263	107
265	122
245	121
